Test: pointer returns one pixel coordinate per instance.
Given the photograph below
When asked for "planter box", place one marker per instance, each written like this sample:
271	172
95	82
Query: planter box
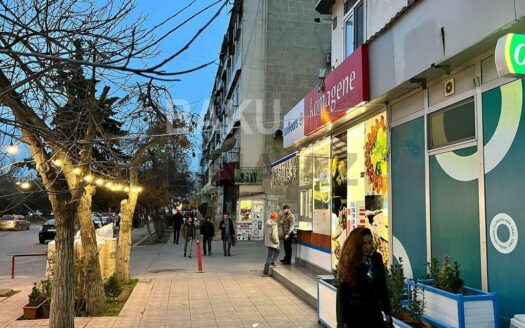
444	309
31	312
326	304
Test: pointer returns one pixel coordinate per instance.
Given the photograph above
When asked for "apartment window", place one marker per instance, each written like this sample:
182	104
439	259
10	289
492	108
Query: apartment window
354	25
452	125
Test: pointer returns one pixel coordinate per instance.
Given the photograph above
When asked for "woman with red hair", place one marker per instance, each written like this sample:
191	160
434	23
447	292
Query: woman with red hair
362	294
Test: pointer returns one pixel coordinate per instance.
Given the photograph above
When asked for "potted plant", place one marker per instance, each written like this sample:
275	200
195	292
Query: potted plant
450	304
407	304
36	299
46	287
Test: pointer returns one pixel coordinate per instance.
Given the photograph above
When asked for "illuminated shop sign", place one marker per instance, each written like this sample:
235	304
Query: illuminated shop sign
293	127
510	55
343	89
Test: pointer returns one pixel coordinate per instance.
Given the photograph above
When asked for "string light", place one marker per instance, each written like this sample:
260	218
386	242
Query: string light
89	178
77	171
12	149
109	184
126	189
118	187
25	185
58	163
99	182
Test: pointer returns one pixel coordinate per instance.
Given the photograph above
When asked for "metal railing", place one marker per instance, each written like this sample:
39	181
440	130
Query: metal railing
21	255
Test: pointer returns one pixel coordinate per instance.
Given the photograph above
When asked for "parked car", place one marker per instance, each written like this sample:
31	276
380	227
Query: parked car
106	218
97	220
14	222
47	231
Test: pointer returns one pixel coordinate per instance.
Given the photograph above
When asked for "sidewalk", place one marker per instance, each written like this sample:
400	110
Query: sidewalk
170	293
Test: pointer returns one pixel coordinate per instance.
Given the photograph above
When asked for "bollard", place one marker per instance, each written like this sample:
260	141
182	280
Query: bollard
199	255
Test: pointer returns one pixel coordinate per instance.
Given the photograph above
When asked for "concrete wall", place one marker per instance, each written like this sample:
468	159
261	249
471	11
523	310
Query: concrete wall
415	41
251	81
296	49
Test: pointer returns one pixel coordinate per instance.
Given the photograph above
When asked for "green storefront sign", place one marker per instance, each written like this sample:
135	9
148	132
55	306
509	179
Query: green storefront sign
510	55
248	176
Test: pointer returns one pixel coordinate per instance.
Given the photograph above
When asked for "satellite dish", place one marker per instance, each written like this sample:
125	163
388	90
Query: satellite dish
228	144
215	154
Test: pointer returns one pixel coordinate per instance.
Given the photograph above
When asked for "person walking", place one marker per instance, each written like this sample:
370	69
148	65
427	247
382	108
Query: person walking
227	234
362	294
288	230
188	233
207	231
271	241
177	225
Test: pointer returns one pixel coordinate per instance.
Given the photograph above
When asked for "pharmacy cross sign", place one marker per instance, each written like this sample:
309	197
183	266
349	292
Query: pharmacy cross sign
510	55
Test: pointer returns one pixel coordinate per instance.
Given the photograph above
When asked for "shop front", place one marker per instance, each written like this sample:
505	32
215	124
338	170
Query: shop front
251	204
343	164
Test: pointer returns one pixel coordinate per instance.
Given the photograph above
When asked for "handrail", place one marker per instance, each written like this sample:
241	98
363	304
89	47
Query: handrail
21	255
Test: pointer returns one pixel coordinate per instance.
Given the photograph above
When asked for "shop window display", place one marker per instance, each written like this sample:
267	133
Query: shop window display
338	172
367	181
321	187
305	185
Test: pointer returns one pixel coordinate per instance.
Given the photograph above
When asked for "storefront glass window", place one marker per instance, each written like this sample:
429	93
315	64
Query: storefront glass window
338	171
452	125
321	187
367	177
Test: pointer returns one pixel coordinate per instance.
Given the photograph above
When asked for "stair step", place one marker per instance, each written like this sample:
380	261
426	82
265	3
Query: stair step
299	281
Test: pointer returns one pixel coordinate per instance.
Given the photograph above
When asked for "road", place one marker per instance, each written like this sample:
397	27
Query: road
22	242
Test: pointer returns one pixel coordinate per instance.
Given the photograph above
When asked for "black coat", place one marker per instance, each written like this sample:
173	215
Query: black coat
178	220
360	305
232	229
207	230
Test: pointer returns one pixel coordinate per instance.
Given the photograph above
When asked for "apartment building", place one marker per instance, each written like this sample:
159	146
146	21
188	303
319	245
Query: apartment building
271	55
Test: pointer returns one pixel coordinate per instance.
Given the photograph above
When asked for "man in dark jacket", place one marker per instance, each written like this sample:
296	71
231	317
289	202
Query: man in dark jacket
207	232
188	233
177	224
227	234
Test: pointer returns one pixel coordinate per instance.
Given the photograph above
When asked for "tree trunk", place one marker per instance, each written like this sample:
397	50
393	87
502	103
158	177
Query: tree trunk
127	209
94	285
63	292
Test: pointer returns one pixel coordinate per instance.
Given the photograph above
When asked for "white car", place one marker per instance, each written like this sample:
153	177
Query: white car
14	222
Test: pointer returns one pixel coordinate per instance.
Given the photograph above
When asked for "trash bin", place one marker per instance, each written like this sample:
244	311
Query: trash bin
518	321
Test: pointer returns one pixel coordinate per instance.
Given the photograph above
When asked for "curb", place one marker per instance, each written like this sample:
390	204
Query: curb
141	240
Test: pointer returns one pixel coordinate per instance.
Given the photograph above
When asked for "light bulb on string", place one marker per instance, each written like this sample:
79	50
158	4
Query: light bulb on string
58	162
89	178
12	149
99	182
25	185
118	187
77	171
126	189
109	184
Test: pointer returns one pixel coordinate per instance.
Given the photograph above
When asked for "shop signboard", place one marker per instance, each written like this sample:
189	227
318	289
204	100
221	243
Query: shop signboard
343	89
248	176
293	127
510	55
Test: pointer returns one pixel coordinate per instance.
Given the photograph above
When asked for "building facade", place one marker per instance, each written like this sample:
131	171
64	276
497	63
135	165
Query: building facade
271	55
415	135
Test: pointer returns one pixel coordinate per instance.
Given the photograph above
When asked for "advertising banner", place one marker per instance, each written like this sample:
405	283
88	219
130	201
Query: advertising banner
343	89
293	127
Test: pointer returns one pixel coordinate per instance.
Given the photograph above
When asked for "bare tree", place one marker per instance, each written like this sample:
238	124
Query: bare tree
53	56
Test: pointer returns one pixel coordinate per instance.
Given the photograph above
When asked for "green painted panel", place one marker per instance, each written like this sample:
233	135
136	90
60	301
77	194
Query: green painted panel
504	192
408	193
454	215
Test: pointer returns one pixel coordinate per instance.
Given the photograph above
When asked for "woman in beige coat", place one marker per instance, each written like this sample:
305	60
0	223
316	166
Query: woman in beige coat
271	241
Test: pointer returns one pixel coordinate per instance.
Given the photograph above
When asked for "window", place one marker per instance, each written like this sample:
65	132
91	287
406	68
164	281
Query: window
451	125
354	26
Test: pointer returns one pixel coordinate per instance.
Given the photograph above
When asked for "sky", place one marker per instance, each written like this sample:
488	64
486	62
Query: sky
195	88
